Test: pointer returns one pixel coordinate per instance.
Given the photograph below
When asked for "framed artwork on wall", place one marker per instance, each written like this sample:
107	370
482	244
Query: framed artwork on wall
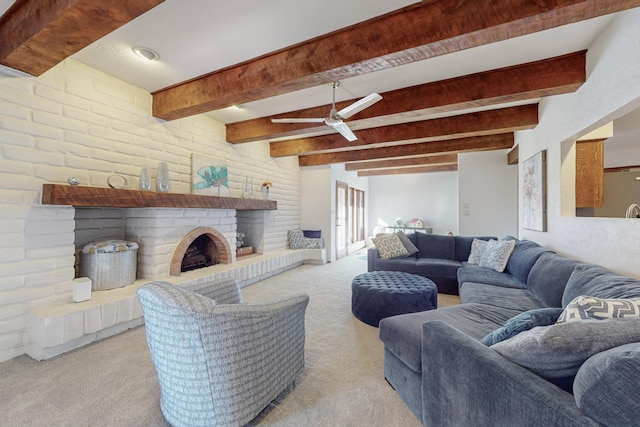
209	175
534	192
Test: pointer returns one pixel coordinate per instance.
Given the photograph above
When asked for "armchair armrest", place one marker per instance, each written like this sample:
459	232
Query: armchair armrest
222	291
372	256
465	383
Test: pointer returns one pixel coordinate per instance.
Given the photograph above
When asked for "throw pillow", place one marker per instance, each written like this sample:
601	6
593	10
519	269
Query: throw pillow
496	254
410	247
390	246
559	350
523	322
477	250
584	307
296	239
312	234
313	243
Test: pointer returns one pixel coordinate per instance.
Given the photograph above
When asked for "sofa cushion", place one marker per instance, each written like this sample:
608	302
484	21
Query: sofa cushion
558	350
389	246
437	267
606	386
402	334
584	307
523	258
548	278
477	274
407	243
511	298
496	254
435	246
407	265
595	281
463	245
523	322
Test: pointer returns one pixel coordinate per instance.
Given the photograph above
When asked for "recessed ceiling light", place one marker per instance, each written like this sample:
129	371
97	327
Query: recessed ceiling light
239	107
146	53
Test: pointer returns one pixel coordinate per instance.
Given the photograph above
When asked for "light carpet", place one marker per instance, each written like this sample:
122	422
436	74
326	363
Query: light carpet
113	383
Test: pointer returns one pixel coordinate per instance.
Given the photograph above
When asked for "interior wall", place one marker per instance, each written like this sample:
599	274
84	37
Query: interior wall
612	89
430	197
315	184
488	189
77	121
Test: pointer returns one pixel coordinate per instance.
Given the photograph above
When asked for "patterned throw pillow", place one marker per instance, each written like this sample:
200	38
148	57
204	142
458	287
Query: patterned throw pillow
390	246
496	254
310	243
584	307
296	239
478	247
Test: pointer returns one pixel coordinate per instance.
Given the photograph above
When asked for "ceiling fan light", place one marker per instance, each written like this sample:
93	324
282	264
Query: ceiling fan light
146	53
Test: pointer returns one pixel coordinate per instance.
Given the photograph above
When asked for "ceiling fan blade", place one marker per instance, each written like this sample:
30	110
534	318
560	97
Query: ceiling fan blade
345	131
358	106
302	120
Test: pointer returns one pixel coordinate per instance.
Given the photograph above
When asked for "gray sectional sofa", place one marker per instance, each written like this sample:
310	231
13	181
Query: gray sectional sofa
451	369
438	258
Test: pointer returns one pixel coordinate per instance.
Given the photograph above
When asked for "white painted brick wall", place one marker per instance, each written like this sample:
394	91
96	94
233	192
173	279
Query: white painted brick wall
76	121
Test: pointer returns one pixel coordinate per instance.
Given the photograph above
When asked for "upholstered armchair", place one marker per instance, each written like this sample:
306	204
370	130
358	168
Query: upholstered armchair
220	362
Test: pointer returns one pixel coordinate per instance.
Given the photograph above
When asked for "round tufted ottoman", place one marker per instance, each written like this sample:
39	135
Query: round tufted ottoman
379	294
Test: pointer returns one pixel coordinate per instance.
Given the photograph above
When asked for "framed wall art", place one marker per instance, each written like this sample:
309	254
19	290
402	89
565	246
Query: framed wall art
534	192
209	175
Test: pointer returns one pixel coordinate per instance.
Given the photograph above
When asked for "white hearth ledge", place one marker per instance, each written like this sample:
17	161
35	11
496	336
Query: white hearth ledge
56	329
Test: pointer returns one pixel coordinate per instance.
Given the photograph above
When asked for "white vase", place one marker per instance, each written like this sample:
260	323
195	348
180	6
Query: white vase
163	184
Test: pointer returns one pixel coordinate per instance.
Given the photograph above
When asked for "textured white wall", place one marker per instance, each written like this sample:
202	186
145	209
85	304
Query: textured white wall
76	121
488	191
612	89
431	197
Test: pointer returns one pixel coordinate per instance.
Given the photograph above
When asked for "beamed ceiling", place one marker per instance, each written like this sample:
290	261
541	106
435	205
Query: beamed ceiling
415	128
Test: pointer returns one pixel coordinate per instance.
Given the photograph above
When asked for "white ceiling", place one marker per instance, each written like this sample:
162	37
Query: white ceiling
195	37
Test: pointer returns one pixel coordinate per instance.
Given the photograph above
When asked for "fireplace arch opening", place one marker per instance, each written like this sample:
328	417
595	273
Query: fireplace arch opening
202	247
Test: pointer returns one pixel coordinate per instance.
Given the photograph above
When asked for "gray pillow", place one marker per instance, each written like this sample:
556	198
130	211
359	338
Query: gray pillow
410	247
558	350
496	254
523	322
477	250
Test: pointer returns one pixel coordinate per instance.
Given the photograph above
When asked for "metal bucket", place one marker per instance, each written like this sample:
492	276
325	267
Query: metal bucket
110	270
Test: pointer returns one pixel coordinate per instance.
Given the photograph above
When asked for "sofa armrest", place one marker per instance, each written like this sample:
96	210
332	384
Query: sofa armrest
372	256
465	383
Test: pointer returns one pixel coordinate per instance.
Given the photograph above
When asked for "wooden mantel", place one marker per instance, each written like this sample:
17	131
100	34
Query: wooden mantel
99	197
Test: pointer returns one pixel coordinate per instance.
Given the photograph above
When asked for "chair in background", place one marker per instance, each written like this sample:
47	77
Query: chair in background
220	362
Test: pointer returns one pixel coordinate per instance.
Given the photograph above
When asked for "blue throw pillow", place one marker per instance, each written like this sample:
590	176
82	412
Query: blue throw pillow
523	322
312	234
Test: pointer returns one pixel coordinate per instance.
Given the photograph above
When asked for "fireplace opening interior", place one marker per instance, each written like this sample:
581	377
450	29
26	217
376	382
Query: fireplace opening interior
202	252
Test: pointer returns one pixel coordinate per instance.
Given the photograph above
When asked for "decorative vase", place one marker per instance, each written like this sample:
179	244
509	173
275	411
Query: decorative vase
145	179
266	193
163	184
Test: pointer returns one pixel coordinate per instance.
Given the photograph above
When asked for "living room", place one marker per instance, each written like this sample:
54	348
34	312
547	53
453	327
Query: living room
77	121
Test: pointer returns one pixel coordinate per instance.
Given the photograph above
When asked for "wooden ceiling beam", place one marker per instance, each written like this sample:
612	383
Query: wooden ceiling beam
415	33
534	80
447	159
38	34
454	146
465	125
402	171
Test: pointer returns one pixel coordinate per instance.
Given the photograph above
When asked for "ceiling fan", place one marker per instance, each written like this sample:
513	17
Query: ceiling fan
335	118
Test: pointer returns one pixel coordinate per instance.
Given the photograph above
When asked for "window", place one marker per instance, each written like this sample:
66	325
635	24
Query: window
356	210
